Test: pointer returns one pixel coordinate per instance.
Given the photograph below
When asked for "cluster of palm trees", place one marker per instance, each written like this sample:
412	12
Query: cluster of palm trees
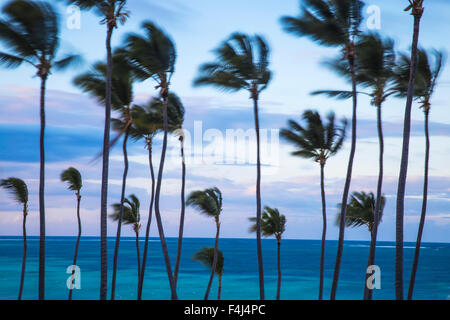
30	29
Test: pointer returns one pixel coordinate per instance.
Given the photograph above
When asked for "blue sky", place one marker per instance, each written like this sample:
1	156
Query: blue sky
75	121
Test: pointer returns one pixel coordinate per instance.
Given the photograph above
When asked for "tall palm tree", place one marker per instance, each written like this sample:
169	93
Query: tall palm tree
361	211
130	215
242	63
73	177
148	121
272	224
145	126
94	82
112	12
153	56
30	30
333	23
205	256
209	203
19	190
317	141
375	71
416	7
428	72
175	114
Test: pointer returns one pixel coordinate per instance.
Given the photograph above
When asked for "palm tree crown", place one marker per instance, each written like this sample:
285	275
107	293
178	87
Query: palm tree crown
206	257
329	22
208	201
131	213
73	177
242	63
361	210
18	189
317	140
30	30
428	72
152	56
272	223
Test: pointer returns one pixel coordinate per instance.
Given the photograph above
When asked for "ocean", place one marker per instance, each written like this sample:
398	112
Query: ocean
299	262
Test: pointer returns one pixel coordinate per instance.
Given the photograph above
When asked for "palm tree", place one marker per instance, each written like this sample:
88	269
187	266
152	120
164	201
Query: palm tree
272	224
209	203
30	30
334	23
416	7
318	141
73	177
19	190
425	84
145	127
376	65
361	211
112	12
94	82
130	215
242	63
153	56
206	257
148	120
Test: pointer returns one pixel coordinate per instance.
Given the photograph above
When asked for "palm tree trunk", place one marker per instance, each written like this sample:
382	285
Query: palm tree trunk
157	196
258	199
138	257
279	268
77	244
105	168
213	267
324	229
24	258
219	290
41	194
119	221
404	164
347	184
183	206
147	231
378	204
424	210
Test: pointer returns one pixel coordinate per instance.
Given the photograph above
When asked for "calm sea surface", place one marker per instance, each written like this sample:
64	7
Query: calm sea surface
300	267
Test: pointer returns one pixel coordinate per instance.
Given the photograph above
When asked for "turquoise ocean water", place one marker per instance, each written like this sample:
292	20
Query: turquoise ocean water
300	267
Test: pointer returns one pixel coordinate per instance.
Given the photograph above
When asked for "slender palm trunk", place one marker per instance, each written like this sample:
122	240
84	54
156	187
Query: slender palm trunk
347	184
279	267
24	258
324	229
258	199
213	267
138	253
183	206
157	196
219	290
105	168
378	204
119	221
424	210
77	245
41	193
404	164
149	221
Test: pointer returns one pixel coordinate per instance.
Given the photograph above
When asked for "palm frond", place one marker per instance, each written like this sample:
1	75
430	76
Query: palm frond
17	187
205	255
73	177
207	202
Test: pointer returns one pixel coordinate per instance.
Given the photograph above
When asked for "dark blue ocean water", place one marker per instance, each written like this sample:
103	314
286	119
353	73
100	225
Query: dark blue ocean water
300	267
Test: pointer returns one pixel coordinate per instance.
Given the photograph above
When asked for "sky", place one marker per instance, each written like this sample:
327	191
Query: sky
75	128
